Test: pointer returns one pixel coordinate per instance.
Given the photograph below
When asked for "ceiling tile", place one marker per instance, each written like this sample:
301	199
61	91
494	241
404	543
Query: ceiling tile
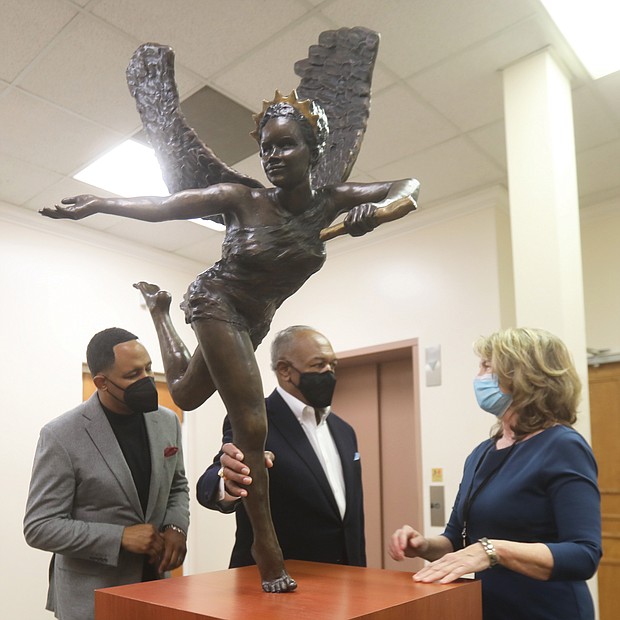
492	140
29	25
207	34
48	136
93	81
20	181
608	87
450	168
220	122
396	112
382	77
257	76
467	88
593	120
415	35
597	168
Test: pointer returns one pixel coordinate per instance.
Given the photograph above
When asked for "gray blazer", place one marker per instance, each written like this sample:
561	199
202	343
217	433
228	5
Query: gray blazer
82	496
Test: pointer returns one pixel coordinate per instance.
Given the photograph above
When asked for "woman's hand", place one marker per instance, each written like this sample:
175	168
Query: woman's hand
407	542
77	208
472	559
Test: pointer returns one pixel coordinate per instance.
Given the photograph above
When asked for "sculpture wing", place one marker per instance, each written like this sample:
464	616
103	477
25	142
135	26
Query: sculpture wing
186	162
337	74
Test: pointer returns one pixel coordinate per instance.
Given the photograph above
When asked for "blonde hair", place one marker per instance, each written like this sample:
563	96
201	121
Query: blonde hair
536	368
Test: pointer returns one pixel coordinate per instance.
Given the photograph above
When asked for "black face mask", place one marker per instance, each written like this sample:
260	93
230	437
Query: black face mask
317	387
140	396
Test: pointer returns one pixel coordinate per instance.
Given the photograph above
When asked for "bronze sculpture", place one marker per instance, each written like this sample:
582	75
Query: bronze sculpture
274	236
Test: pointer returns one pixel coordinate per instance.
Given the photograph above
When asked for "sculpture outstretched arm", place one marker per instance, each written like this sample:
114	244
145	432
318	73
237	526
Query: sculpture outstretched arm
185	205
400	199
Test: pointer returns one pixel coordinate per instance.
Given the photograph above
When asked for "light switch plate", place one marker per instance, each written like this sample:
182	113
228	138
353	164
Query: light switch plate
432	365
438	513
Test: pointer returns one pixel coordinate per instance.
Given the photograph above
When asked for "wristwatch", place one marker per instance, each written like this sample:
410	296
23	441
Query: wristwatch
489	549
174	528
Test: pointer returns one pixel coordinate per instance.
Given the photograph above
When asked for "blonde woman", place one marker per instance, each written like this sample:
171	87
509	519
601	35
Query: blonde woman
526	518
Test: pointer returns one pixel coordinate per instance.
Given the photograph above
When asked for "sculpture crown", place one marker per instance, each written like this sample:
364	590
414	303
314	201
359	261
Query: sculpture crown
305	107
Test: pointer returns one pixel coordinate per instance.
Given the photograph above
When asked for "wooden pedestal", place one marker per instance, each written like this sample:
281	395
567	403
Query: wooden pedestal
325	592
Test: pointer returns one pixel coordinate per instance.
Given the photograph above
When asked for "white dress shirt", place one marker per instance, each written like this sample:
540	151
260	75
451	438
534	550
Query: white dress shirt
322	442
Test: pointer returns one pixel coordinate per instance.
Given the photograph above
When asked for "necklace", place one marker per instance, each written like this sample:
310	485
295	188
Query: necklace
471	494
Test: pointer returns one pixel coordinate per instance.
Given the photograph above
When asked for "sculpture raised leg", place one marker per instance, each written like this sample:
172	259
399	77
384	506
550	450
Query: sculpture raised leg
225	361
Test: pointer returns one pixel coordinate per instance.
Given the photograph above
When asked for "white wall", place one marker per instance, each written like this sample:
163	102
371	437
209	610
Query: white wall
442	277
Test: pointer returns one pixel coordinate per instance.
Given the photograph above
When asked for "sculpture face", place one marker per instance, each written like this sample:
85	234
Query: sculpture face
284	153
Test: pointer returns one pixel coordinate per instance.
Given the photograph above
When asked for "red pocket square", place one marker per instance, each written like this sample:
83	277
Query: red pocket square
170	451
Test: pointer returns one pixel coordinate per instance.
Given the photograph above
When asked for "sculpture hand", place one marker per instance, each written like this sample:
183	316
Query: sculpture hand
393	211
360	220
77	207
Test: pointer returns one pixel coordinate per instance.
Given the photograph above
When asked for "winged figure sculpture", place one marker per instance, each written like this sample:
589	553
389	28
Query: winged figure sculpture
275	236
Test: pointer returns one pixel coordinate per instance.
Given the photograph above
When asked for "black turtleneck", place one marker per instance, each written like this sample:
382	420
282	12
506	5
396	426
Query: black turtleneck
130	432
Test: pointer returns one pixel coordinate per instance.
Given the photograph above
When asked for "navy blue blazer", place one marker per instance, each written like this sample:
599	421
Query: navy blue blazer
304	511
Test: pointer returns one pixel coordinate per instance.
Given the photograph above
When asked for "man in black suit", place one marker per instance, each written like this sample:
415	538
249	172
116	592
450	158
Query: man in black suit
315	480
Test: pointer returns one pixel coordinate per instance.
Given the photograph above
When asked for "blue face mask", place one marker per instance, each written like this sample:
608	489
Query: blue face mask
489	396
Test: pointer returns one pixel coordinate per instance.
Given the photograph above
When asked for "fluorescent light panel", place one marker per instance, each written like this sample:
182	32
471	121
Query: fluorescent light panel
591	29
131	169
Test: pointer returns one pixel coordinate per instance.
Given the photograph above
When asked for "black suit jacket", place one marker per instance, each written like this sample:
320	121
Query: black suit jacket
303	507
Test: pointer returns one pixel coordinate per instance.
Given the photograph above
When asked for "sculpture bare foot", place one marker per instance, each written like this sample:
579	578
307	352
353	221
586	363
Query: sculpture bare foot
284	583
156	299
272	571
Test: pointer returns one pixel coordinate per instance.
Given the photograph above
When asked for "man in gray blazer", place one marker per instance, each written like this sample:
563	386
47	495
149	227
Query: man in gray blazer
108	494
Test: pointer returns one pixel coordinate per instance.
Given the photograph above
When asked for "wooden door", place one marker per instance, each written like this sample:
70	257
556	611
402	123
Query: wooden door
377	394
604	382
165	400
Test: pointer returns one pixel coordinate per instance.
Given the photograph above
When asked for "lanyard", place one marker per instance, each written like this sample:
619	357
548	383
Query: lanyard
469	499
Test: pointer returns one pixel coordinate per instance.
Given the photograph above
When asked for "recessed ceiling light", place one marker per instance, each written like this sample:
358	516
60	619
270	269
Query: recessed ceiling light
131	169
591	29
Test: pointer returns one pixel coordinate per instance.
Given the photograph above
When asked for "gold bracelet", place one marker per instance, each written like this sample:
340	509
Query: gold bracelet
489	549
